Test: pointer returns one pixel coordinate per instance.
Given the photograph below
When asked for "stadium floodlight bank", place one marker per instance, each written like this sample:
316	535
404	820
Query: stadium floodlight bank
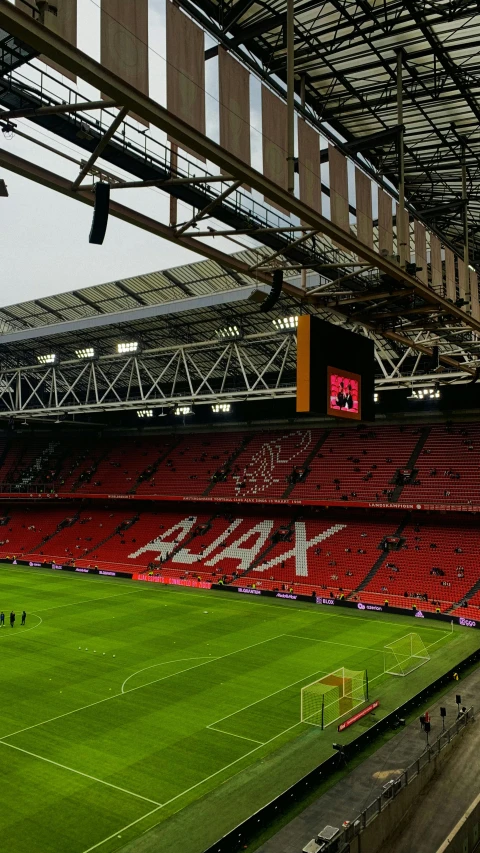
405	655
332	696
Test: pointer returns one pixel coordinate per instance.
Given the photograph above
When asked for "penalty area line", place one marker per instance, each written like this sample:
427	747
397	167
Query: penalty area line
80	773
269	696
192	788
234	734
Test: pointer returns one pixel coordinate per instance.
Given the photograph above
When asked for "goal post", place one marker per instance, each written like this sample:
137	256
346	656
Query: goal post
403	656
330	697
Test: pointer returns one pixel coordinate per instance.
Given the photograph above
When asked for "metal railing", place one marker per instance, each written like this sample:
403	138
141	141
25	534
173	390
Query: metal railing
391	789
28	488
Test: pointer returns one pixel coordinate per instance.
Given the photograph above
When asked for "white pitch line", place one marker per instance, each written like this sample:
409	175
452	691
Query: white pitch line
196	666
290	606
132	689
141	586
79	773
227	766
123	829
317	672
233	734
192	788
87	601
43	572
332	643
446	634
165	663
207	779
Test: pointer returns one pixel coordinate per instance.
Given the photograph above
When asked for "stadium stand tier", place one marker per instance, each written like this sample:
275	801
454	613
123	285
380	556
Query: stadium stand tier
398	464
410	560
238	535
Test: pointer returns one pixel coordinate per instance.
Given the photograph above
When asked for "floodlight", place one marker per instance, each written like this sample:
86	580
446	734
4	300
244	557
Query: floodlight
221	408
426	393
375	397
48	358
144	413
229	332
283	323
85	352
126	347
183	410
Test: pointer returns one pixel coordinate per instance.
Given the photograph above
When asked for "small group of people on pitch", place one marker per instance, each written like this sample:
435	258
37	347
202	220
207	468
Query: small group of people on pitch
12	619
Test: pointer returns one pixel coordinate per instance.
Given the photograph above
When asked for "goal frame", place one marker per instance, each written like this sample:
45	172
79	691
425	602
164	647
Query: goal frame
419	655
327	687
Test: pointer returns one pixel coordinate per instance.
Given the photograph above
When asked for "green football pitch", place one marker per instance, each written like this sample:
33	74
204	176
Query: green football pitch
126	706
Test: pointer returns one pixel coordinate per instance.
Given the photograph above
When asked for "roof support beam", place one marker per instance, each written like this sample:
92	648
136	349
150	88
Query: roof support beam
170	182
100	147
375	140
404	312
48	43
455	206
58	109
208	208
372	295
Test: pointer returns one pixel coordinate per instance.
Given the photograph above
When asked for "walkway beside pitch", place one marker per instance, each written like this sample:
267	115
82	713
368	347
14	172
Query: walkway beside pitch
355	791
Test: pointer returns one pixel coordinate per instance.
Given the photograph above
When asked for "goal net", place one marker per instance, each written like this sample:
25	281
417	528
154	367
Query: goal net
405	655
332	696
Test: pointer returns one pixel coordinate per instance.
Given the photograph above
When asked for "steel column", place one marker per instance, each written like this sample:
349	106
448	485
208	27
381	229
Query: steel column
290	96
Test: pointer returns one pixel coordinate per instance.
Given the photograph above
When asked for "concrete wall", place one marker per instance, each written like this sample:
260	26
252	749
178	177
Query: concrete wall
388	821
464	838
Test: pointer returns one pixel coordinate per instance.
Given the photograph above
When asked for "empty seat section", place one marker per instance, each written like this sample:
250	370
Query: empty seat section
357	464
448	467
26	527
190	467
120	468
437	561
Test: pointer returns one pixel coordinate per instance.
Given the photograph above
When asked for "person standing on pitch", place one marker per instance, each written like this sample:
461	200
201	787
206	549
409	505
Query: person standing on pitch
24	617
12	619
2	619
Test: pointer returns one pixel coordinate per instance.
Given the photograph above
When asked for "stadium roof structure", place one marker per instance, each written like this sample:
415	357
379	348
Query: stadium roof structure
346	56
359	67
194	334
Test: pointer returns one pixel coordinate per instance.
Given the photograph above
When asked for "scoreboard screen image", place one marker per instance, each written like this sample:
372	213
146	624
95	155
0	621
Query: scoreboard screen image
335	370
344	389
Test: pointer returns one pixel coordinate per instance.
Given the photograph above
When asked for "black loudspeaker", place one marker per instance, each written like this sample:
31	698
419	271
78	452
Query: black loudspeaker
100	213
275	292
427	727
443	712
458	699
434	361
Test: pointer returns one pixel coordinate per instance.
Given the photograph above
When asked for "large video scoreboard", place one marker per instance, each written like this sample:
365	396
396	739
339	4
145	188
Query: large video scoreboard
335	371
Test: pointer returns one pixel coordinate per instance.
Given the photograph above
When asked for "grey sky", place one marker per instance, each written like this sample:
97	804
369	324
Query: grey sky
44	245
